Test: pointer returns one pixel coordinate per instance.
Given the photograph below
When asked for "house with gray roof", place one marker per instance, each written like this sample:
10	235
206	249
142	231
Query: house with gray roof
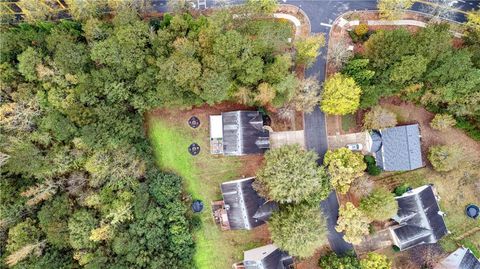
419	219
266	257
462	258
241	207
237	133
397	148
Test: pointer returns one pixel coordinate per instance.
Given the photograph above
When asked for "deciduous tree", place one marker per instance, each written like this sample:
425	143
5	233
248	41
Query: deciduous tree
299	229
393	9
379	118
308	49
379	205
341	95
291	174
445	158
344	166
353	223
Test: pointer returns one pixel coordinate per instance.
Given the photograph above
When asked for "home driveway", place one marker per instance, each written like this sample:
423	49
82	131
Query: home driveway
340	141
278	139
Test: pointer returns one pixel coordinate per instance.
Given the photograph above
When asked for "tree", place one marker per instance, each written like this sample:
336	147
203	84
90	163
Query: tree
33	11
27	63
443	122
358	70
379	118
308	49
344	166
352	222
375	261
22	234
409	69
333	261
80	225
339	53
83	10
266	94
445	158
362	186
341	95
291	174
53	220
392	9
379	205
299	229
307	95
262	6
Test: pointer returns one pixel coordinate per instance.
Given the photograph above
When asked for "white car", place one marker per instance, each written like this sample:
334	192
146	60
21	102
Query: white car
354	147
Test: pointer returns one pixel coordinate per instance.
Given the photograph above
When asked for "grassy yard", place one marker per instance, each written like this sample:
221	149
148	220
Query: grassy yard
456	189
202	176
348	122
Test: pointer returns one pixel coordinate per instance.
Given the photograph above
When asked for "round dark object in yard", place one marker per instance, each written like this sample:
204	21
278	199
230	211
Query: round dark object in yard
194	122
194	149
197	206
472	211
267	121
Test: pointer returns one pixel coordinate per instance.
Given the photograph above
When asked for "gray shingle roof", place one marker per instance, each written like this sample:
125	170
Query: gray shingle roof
267	257
400	148
462	258
245	208
243	133
419	219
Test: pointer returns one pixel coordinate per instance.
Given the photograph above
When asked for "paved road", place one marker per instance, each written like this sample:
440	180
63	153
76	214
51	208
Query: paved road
335	239
322	13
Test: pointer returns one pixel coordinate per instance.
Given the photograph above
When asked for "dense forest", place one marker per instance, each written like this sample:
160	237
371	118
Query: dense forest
79	185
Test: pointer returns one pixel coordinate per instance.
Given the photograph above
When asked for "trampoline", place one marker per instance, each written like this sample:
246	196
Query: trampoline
472	211
197	206
194	122
194	149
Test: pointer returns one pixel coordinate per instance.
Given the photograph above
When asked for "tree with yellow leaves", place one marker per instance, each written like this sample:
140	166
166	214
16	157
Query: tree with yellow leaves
344	166
341	95
392	9
353	223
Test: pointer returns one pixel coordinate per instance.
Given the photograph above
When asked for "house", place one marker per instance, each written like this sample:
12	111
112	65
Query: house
419	219
266	257
397	148
238	133
462	258
241	207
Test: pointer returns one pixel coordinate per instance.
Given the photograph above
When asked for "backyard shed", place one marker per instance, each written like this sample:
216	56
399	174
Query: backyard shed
419	219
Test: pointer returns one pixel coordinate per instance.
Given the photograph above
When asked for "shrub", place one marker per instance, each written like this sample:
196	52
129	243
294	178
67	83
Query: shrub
361	29
372	168
333	261
400	190
443	122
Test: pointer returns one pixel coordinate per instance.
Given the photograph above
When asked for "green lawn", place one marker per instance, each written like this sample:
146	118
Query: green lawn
456	189
202	176
348	122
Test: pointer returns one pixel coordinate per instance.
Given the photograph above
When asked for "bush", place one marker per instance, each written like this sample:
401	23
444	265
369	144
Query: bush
445	158
372	168
400	190
361	29
333	261
443	122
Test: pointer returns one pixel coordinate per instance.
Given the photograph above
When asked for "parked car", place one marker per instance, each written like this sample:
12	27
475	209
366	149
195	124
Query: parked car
355	146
